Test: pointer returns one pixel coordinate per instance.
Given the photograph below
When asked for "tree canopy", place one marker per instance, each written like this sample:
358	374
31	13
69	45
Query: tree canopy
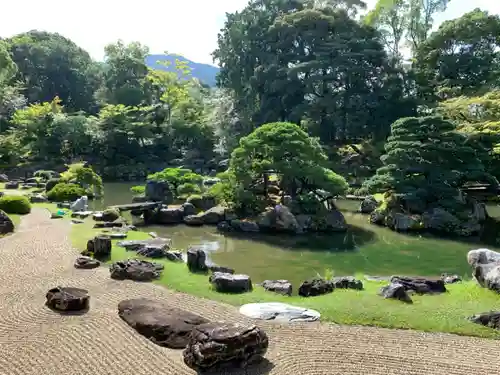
427	160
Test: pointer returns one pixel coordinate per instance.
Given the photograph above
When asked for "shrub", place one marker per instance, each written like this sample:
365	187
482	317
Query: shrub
83	175
188	189
51	183
65	192
15	204
138	190
177	176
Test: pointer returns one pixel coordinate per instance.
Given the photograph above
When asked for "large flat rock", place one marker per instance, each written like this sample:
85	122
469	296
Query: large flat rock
164	325
280	312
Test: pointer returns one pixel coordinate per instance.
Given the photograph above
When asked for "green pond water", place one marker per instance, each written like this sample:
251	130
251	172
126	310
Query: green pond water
365	248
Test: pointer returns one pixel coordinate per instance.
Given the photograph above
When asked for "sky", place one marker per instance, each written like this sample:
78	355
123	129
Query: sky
185	27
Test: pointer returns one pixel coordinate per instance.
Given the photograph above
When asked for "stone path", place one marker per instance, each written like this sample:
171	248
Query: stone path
35	340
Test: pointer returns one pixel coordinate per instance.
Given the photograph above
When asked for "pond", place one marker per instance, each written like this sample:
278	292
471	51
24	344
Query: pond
365	248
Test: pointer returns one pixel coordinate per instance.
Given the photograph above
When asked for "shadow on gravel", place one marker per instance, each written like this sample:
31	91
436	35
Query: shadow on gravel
68	313
263	367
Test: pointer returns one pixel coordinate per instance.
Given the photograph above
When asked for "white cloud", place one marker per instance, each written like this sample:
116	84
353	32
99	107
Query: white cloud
187	27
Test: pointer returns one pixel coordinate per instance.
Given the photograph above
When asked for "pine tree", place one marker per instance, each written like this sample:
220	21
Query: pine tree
426	163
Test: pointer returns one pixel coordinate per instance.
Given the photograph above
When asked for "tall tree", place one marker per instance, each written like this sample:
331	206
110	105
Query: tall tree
51	65
461	57
334	72
243	47
124	76
352	7
404	22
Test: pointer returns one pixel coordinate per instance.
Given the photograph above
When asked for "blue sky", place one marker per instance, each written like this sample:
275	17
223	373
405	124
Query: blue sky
187	27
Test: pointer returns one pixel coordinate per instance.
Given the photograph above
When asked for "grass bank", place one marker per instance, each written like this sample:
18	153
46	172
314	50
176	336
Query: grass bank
439	313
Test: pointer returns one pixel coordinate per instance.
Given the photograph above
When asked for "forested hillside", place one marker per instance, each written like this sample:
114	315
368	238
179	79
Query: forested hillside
332	67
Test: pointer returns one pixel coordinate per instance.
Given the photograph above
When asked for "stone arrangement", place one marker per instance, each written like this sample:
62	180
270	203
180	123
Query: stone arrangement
238	345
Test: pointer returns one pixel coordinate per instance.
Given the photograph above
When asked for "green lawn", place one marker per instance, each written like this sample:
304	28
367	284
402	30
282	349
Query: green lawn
438	313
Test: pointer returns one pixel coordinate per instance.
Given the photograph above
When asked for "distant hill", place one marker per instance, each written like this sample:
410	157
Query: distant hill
204	72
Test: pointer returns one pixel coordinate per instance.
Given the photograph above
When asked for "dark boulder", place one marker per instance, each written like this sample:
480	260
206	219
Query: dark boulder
174	256
164	325
245	226
489	319
100	246
278	286
170	216
368	205
196	260
315	287
135	269
214	215
110	214
193	220
139	199
67	299
230	283
214	268
153	251
347	282
12	185
108	224
85	262
395	291
136	245
217	346
158	191
3	178
189	209
38	198
6	224
420	285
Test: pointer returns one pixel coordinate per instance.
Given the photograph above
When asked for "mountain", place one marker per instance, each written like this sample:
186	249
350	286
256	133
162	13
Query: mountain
204	72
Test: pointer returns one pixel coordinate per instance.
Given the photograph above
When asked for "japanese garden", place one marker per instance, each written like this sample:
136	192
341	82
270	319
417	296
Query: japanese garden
344	168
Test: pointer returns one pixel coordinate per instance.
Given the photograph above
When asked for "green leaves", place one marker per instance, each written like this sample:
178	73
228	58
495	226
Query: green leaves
461	57
428	157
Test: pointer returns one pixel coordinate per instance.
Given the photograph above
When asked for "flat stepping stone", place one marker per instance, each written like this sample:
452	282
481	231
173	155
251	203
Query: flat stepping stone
116	235
67	299
162	324
280	312
134	245
86	262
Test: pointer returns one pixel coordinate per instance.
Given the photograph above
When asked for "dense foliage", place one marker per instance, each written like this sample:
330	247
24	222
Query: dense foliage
64	192
305	88
15	204
426	162
286	151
